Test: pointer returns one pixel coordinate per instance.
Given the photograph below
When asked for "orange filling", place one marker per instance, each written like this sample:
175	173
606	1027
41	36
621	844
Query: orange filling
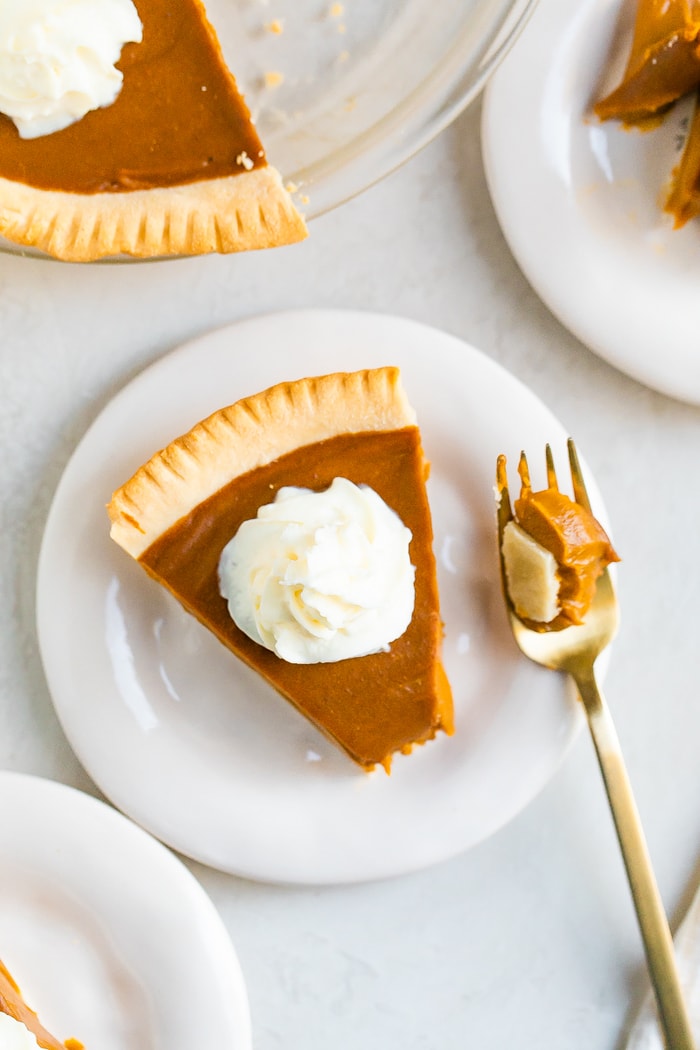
371	706
578	543
179	117
664	61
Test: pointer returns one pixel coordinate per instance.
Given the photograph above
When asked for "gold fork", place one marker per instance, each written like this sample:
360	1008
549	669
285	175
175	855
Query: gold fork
574	650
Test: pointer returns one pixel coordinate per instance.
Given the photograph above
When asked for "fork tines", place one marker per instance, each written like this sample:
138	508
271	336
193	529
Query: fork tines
579	486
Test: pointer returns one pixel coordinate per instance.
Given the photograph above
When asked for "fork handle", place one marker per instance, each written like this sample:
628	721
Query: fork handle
658	945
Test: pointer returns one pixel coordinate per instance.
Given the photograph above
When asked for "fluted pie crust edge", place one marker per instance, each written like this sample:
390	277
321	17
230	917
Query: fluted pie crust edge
248	434
240	212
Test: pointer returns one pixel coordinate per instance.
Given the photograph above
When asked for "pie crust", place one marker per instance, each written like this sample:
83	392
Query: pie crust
233	214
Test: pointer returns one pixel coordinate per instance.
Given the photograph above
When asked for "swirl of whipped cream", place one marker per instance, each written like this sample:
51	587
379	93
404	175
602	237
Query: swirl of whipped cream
321	576
57	59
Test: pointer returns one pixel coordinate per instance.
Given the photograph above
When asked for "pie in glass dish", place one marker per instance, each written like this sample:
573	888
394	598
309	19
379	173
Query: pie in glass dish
173	166
180	510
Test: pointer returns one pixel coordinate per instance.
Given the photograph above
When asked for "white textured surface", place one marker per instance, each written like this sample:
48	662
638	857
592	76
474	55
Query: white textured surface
528	940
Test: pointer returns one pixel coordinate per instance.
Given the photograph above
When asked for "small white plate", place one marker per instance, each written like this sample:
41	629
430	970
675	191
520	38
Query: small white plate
579	200
194	746
110	938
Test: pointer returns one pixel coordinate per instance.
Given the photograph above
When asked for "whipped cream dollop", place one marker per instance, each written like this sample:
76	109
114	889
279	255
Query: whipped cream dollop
321	576
57	59
16	1036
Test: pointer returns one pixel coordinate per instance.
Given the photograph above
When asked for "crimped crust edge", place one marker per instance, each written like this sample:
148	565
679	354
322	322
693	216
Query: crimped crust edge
248	434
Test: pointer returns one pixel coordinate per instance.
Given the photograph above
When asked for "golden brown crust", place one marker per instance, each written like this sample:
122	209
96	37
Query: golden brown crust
252	432
238	213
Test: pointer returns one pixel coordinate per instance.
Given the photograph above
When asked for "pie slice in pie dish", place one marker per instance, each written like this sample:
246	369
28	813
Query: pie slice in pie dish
182	508
174	166
14	1032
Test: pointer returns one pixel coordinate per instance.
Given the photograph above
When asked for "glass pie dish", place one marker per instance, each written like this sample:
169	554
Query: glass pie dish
344	92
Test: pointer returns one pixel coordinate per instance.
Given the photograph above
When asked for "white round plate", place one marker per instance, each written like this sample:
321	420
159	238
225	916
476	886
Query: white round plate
193	745
579	200
110	938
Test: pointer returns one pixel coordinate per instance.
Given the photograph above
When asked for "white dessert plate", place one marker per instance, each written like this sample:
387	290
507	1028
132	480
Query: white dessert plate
194	746
110	938
579	201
